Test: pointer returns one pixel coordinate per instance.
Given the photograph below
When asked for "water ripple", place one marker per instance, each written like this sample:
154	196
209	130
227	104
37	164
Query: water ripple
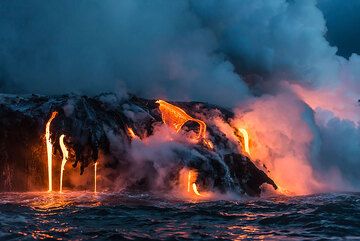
84	216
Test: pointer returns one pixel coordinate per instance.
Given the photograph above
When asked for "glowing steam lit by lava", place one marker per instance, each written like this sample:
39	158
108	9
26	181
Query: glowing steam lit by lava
95	175
283	149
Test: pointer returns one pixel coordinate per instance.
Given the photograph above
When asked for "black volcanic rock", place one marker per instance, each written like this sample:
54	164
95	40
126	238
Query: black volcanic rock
98	125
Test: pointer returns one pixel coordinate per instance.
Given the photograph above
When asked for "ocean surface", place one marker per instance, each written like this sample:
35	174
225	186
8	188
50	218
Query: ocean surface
114	216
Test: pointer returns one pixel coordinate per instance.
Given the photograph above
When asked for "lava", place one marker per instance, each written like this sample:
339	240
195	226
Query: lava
175	117
191	182
49	148
65	153
131	133
209	144
195	189
246	139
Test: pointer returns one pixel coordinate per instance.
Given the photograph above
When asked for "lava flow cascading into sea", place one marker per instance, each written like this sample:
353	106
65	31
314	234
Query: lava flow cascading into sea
49	148
246	140
64	160
191	182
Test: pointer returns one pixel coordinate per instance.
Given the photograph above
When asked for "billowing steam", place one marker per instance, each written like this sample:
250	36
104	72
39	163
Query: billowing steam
269	60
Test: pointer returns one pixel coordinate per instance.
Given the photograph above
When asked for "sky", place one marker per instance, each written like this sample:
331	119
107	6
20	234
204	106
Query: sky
342	22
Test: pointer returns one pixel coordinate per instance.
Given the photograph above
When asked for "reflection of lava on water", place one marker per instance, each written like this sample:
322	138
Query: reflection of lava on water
136	150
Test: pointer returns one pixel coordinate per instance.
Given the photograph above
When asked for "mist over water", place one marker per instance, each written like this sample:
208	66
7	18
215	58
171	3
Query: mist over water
270	61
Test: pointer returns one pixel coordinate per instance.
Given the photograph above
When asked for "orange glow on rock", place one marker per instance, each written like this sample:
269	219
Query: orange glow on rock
49	148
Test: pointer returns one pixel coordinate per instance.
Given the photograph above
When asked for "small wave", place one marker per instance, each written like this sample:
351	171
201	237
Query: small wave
83	216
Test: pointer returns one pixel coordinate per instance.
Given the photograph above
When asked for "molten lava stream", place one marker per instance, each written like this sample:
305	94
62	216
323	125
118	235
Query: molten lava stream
191	178
131	133
64	160
175	117
49	148
246	140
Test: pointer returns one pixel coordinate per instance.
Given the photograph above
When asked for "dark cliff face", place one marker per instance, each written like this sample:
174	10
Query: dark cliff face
98	125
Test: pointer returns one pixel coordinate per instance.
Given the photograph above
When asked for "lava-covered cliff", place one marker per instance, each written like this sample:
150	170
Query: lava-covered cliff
118	133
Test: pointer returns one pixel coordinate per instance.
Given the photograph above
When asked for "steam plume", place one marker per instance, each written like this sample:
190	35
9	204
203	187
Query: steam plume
269	59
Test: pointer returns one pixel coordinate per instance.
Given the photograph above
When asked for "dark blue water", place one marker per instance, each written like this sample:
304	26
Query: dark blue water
84	216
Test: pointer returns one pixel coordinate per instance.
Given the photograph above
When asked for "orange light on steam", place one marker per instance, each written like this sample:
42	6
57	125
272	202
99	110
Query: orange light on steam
49	148
95	173
65	153
175	117
245	135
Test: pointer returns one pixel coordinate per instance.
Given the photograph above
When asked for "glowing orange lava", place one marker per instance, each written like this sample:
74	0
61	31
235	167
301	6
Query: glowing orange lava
175	117
95	173
246	140
131	133
195	189
49	148
65	153
191	178
209	144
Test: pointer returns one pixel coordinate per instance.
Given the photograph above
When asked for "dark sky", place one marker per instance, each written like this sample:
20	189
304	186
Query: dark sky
343	23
